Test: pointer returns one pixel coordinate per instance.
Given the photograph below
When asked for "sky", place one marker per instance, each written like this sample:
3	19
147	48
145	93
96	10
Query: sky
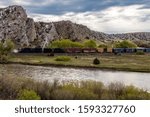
109	16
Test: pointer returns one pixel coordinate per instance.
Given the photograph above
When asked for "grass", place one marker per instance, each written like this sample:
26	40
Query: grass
28	89
63	58
125	62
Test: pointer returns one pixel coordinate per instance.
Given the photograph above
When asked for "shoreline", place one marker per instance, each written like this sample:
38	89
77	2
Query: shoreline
79	67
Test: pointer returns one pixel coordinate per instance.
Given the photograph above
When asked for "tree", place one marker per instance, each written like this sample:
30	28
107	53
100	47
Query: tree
90	44
5	49
103	46
77	44
65	43
125	44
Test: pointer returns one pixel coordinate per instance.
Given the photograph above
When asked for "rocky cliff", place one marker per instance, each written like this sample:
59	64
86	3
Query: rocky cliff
15	25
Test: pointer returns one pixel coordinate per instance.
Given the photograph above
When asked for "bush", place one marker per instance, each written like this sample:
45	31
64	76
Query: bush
96	61
133	93
90	44
79	93
29	89
65	43
5	49
103	46
96	87
116	90
63	58
77	44
125	44
140	53
28	95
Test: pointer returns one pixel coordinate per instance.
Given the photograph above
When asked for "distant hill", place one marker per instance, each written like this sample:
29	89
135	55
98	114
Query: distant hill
15	25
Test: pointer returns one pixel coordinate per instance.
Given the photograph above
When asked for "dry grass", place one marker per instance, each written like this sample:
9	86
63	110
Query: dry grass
126	62
10	88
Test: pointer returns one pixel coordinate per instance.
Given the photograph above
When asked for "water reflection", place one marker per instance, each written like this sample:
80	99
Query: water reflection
140	80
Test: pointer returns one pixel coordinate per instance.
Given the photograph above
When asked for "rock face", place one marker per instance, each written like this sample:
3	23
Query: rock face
15	25
145	36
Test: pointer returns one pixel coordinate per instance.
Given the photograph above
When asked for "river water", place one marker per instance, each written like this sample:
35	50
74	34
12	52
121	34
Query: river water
141	80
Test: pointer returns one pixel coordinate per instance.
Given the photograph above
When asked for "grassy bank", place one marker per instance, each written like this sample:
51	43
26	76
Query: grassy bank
23	88
125	62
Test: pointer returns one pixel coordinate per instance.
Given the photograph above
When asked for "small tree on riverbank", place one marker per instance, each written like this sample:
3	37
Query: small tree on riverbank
5	49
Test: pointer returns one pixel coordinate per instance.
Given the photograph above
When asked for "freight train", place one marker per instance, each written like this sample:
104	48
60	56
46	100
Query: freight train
84	50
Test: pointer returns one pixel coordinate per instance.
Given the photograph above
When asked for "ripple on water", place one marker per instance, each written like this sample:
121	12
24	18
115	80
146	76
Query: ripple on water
140	80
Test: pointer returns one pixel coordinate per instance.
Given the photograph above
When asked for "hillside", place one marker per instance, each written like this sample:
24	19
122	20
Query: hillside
15	25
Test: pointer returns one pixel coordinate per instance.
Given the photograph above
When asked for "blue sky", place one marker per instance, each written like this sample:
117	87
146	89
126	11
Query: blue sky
110	16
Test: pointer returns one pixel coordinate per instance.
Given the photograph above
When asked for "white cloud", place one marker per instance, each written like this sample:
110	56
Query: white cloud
40	3
132	18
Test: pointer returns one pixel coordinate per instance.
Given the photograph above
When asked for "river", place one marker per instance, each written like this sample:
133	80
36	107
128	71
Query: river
141	80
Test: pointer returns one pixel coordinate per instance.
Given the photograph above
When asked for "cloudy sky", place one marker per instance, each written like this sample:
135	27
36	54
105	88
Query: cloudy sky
109	16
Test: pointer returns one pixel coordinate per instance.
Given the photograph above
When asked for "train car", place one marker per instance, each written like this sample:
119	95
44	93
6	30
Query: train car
118	50
36	50
58	50
100	50
147	50
130	50
26	50
73	50
140	50
109	50
47	50
89	50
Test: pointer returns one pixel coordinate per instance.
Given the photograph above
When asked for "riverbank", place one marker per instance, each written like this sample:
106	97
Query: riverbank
29	89
126	62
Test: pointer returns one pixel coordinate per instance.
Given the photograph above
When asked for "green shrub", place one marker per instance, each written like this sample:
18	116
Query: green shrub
125	44
77	44
90	44
133	93
79	93
140	53
96	61
65	43
97	88
62	58
5	49
29	89
103	46
28	95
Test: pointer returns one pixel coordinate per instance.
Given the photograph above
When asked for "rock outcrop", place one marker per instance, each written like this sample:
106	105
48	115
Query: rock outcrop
15	25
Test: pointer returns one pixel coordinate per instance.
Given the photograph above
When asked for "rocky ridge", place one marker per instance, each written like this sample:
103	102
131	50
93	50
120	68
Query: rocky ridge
15	25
